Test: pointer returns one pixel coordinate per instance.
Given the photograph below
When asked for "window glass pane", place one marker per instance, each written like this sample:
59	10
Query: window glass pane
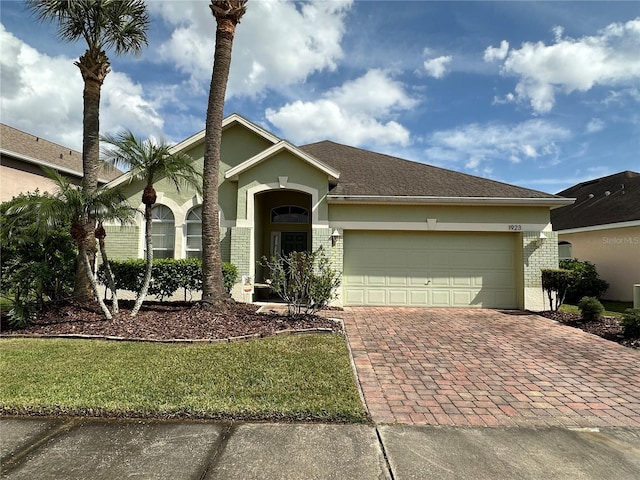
163	232
194	233
289	214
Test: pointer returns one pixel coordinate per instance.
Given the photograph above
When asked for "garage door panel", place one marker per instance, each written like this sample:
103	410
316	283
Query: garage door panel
429	269
418	297
463	282
417	280
439	278
463	298
398	297
376	297
398	281
354	296
441	298
376	279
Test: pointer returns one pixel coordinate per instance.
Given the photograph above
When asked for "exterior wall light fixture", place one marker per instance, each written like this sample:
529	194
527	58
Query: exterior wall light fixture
334	237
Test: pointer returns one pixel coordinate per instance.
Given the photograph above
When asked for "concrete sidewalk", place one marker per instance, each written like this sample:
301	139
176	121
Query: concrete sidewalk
111	449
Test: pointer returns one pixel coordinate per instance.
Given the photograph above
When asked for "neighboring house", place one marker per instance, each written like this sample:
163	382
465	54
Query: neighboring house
603	227
402	233
23	154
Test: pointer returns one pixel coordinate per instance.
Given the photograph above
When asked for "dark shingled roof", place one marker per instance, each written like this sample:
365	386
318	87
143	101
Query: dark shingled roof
21	143
593	206
374	174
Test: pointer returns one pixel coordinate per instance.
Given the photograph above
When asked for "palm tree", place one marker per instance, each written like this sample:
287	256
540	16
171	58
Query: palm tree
227	14
72	204
149	161
104	24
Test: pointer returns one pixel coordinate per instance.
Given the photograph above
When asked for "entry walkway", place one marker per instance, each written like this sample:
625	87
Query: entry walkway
477	367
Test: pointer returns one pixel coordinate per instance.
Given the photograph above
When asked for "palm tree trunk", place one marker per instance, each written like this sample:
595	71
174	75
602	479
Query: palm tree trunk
147	276
90	155
94	286
213	293
82	290
110	280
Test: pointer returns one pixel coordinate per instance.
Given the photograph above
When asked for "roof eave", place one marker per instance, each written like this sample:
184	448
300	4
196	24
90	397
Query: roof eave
234	173
595	228
432	200
42	163
227	122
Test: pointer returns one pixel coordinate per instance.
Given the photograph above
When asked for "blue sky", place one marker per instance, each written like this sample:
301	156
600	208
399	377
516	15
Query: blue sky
538	94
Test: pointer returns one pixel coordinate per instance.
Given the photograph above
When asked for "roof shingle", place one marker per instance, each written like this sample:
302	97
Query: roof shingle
31	146
374	174
606	200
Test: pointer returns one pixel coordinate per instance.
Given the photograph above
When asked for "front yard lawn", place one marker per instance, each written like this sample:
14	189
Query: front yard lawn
302	377
611	309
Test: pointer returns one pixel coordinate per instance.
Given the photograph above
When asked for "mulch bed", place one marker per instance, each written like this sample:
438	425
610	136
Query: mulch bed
169	321
607	327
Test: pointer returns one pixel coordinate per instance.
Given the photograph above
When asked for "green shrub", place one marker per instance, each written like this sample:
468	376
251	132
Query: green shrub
631	323
168	275
587	282
556	282
37	266
590	308
304	280
229	276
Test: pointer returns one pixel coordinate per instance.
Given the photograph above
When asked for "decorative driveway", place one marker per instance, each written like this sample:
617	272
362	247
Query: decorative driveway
476	367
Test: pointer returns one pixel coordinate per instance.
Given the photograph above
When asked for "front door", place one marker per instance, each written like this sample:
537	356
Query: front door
294	242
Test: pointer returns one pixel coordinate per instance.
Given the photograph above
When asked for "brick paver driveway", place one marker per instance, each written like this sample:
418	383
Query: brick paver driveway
485	367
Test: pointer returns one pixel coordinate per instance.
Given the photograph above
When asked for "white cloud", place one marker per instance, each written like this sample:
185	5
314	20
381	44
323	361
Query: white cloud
492	54
42	95
437	67
609	58
277	42
359	112
595	125
478	145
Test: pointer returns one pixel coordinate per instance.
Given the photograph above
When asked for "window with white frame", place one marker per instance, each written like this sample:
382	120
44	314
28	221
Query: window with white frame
163	233
194	233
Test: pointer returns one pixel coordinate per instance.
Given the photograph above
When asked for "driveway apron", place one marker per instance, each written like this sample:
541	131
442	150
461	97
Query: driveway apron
479	367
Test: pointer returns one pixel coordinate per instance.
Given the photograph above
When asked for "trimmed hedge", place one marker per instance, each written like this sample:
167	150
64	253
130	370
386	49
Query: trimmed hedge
556	282
167	276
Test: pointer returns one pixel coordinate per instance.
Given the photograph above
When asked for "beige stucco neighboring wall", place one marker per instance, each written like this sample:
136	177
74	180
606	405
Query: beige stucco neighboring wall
616	255
13	182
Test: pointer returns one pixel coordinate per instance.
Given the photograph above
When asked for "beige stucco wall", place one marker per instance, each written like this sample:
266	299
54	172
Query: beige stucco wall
14	182
616	254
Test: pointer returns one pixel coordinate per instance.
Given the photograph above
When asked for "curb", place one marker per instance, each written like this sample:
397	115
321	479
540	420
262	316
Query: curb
243	338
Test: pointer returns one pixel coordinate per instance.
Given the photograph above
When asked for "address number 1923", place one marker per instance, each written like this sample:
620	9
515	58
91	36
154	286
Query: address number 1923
515	227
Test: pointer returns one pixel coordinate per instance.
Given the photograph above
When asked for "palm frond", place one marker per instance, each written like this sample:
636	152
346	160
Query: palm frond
104	24
151	160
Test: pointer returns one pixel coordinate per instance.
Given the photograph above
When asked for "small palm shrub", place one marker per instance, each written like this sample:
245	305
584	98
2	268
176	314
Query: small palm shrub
631	323
590	308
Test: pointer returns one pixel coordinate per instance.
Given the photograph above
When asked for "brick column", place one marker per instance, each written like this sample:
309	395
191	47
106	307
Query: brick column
537	256
240	256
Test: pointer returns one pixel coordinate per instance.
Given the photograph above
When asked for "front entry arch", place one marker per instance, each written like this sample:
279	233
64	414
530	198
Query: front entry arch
282	224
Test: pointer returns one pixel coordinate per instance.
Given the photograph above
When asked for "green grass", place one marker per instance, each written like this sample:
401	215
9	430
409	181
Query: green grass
303	377
611	309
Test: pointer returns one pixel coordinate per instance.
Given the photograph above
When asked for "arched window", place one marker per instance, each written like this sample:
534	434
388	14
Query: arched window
289	214
164	231
194	233
564	251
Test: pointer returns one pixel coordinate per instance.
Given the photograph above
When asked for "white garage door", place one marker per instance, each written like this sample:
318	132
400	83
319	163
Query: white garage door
429	269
